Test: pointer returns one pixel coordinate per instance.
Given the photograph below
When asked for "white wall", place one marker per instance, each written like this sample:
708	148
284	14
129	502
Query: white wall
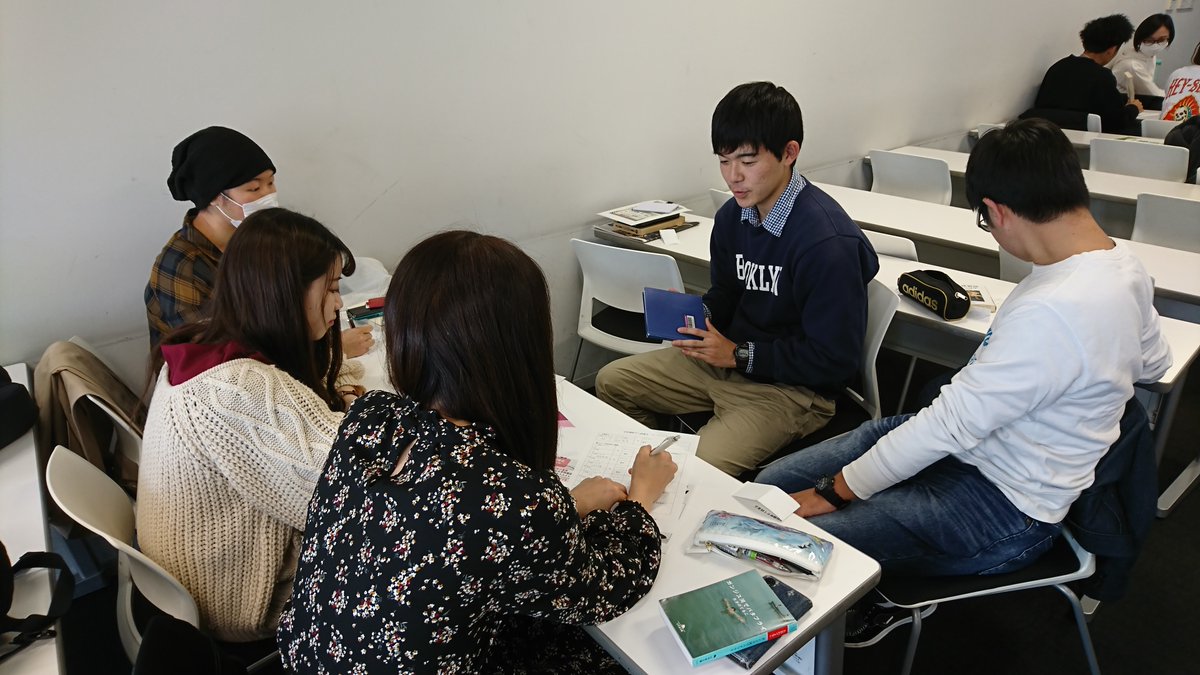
389	121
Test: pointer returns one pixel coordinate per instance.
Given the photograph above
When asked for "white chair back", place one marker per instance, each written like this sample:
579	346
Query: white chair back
891	245
719	197
615	276
1093	122
1013	268
1157	128
923	178
92	499
983	129
1167	221
1162	162
881	307
126	439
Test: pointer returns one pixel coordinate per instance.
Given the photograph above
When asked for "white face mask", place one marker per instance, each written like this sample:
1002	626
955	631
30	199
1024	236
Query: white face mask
1153	49
266	202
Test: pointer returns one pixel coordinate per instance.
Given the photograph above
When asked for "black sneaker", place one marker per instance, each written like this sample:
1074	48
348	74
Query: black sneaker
866	626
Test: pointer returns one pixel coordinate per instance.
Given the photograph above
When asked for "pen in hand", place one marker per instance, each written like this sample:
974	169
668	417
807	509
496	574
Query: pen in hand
666	443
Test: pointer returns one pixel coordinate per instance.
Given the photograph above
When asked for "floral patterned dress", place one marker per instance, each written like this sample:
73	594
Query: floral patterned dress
466	561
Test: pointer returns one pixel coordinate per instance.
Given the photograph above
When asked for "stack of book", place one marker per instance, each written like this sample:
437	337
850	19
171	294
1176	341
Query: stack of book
645	218
732	615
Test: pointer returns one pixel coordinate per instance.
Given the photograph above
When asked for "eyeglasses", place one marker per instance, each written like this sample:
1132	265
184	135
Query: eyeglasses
1159	41
981	221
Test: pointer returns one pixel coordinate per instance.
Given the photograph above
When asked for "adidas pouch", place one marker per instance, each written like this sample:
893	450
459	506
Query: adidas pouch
937	292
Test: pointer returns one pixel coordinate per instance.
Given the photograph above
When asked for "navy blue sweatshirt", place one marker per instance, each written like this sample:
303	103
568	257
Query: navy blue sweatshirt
800	298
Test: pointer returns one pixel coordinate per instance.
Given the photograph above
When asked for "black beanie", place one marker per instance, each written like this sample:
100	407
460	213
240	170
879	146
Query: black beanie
212	160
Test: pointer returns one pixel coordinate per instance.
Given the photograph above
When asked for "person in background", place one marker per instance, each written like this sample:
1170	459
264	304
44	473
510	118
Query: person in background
1082	83
244	412
440	538
786	313
227	177
1137	61
979	481
1181	99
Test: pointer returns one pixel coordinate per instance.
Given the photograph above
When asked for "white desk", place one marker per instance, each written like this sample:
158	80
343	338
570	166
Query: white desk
917	332
1176	272
23	529
1106	186
1082	140
639	639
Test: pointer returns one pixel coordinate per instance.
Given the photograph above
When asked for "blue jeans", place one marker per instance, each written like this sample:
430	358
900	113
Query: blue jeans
946	520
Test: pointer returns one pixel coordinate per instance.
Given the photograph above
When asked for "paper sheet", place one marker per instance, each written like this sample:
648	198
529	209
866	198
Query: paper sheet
583	454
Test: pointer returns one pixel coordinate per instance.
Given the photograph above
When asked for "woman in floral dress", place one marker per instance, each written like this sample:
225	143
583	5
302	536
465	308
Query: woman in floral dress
439	538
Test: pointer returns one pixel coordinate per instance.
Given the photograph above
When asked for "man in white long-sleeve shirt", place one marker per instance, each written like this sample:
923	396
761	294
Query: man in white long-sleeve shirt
980	481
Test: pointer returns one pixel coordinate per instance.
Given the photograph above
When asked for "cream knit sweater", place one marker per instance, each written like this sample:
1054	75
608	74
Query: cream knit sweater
229	462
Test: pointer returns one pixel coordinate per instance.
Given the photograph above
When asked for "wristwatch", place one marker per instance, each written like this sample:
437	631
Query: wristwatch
741	356
824	487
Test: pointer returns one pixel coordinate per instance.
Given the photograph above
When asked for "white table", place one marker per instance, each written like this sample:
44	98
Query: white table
639	639
1106	186
1082	140
1176	272
916	331
23	529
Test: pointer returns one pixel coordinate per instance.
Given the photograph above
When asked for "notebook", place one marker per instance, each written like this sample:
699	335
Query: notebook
667	311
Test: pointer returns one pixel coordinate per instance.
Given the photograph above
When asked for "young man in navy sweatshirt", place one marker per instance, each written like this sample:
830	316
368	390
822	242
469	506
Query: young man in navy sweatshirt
787	309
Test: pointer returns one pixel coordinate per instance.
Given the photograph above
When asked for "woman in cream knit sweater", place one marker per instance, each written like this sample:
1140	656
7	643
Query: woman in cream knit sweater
243	415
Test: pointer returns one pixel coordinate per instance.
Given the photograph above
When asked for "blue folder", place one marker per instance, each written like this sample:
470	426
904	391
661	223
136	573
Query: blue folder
666	311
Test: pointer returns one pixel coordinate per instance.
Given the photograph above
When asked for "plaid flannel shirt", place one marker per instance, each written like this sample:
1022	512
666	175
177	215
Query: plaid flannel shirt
181	280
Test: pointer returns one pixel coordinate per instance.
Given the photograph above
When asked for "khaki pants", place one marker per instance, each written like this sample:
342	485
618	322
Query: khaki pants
751	420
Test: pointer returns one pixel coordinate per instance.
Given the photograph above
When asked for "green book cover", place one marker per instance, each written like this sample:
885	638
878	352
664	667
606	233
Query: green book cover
719	619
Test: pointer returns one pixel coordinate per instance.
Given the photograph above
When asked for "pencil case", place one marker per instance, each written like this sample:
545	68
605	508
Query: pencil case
775	548
937	292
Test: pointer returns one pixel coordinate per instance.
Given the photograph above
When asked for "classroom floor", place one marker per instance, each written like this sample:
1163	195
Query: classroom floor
1151	630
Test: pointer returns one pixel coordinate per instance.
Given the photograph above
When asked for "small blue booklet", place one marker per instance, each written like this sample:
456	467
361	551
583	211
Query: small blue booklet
667	311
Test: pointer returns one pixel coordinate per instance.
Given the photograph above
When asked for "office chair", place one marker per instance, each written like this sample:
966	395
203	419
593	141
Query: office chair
1157	128
1161	162
923	178
1065	562
898	247
1167	221
92	499
719	197
882	302
615	278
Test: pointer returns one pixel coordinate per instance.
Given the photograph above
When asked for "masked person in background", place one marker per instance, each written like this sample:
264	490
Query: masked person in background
227	176
1136	61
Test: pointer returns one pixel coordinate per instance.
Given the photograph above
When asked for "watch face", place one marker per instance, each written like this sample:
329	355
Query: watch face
824	483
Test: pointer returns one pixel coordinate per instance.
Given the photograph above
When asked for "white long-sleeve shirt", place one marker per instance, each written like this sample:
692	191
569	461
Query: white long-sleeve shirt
1141	66
1041	400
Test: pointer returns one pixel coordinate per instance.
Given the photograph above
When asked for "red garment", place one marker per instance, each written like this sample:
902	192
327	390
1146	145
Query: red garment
189	360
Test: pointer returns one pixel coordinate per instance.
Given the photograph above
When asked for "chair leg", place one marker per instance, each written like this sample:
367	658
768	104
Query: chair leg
1084	635
131	637
911	653
912	364
576	363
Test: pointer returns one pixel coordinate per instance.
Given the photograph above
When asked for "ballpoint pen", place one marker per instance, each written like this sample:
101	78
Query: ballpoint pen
666	443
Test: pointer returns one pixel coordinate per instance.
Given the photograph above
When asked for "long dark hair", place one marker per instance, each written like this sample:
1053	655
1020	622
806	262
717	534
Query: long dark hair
467	324
258	297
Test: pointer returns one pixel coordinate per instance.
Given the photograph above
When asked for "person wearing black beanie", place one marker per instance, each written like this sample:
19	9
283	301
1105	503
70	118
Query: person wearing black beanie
226	176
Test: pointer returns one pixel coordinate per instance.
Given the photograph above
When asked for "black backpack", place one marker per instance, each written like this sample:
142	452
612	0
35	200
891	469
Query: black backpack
34	627
17	411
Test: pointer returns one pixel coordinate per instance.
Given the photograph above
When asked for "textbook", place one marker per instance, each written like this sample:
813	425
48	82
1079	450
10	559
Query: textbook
796	602
728	616
980	296
666	311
